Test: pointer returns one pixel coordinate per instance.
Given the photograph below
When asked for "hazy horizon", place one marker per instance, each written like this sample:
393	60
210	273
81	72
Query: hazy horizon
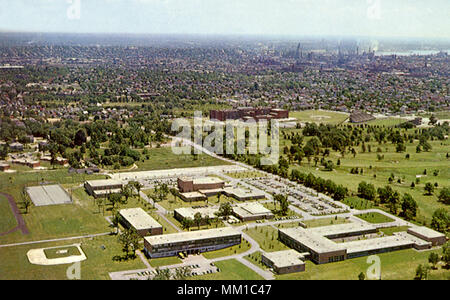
283	18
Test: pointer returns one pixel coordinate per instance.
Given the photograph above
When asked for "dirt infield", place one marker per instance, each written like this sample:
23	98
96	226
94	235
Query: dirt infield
15	210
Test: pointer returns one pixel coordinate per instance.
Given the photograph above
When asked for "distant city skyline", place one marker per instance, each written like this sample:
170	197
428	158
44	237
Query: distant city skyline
371	18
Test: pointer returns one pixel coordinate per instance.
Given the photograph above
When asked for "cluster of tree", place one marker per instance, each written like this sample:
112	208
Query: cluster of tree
386	195
284	203
423	271
129	239
328	187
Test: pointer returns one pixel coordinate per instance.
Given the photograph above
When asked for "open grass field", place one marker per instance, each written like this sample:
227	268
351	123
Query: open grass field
172	202
230	270
61	252
374	218
387	122
167	228
325	222
7	220
266	237
14	264
319	116
47	222
255	258
236	249
358	203
397	265
164	261
377	172
164	158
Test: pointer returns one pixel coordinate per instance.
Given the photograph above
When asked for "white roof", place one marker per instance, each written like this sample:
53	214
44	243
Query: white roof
311	240
139	219
425	231
207	180
189	212
285	258
378	243
103	182
342	228
191	236
251	209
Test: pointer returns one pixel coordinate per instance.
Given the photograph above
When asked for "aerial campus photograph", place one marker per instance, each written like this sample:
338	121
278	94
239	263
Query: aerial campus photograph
224	140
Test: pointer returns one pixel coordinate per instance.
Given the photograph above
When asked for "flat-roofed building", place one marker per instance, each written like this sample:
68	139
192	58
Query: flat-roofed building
4	166
186	184
398	241
322	249
252	211
192	196
191	242
103	187
436	238
243	195
189	213
138	219
344	230
284	262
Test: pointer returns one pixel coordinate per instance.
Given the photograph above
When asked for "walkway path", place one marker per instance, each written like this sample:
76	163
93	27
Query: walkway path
15	210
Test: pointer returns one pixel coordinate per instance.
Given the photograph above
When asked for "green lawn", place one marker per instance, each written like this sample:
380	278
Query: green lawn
54	221
236	249
164	261
397	265
391	230
57	252
319	116
7	220
167	228
374	217
387	122
172	202
325	222
377	173
255	258
164	158
358	203
14	264
230	270
267	238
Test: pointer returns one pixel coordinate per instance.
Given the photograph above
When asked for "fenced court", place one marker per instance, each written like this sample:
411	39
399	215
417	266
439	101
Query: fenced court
48	195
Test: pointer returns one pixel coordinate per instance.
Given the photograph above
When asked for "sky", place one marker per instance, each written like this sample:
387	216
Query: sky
376	18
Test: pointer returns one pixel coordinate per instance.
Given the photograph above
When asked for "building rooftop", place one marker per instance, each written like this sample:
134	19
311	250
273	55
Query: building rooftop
285	258
189	212
425	231
312	240
241	193
207	180
342	229
190	195
103	182
191	236
397	240
251	209
138	218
